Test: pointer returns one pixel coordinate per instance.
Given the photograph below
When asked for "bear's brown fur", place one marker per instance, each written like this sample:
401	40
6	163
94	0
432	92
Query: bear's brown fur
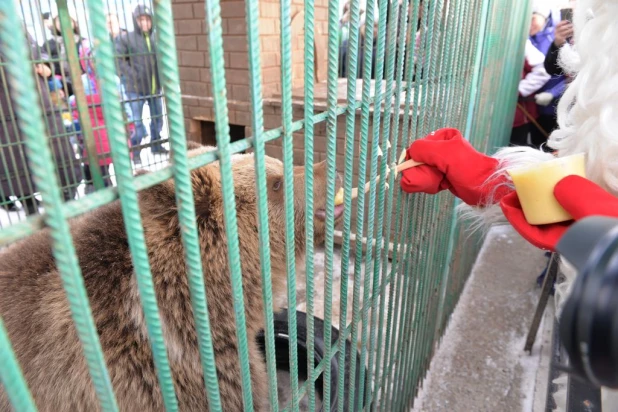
35	310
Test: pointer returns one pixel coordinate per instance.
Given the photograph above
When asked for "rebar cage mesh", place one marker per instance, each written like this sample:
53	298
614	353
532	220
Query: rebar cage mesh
401	260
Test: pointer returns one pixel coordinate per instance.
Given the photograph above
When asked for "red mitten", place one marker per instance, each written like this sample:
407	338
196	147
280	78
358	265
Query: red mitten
450	162
578	196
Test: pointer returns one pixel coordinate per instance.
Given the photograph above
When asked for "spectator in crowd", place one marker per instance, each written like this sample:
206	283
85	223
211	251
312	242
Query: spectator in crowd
418	33
55	48
534	78
48	24
113	26
54	83
15	176
138	64
344	34
542	34
101	141
116	32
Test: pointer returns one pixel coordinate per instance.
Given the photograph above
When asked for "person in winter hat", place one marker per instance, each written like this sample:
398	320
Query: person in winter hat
137	54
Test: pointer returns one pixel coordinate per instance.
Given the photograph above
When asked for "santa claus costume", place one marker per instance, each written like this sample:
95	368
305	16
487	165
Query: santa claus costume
588	123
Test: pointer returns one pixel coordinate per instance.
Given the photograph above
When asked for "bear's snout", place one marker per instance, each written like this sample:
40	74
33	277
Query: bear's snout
321	184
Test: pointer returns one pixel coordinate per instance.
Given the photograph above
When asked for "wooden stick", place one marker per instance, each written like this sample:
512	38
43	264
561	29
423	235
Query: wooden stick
536	124
407	165
401	167
402	156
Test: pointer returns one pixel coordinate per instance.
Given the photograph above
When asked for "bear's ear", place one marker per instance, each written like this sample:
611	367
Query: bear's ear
206	182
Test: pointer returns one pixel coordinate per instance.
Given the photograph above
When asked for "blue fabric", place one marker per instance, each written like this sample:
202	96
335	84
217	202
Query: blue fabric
90	88
54	84
556	85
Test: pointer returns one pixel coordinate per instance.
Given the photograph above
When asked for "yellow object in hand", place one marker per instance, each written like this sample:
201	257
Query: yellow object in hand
535	188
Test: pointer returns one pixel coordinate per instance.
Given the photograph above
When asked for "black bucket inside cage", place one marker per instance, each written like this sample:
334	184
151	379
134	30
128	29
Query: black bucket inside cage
282	350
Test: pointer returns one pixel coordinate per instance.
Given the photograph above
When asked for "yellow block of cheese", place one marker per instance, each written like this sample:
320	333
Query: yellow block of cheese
535	188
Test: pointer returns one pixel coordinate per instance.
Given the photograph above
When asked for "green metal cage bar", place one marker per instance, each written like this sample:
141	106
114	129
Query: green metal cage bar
104	59
309	26
459	65
185	201
288	172
331	147
80	97
11	376
30	118
213	19
77	207
352	67
257	125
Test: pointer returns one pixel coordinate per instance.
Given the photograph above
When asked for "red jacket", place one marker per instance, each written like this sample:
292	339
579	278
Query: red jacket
533	78
527	103
100	133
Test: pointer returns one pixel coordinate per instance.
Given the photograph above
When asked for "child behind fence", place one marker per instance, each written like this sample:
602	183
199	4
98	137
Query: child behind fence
95	111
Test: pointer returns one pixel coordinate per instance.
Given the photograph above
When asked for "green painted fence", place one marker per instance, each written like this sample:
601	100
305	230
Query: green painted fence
463	74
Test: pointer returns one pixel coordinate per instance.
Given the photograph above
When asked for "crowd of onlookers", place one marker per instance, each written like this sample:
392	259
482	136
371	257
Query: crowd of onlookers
543	82
61	87
344	36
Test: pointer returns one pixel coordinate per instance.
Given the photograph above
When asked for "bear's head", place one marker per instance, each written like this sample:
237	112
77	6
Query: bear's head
207	190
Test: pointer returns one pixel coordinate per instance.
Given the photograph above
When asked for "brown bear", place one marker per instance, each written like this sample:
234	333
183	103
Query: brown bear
35	310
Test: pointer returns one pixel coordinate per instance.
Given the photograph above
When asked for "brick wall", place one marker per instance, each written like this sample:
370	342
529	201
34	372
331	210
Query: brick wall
194	64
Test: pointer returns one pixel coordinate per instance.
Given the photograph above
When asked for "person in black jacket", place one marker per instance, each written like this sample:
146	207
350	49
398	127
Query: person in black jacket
15	176
564	31
137	56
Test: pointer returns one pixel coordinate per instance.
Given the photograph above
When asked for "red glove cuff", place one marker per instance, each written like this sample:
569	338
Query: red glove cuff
580	198
542	236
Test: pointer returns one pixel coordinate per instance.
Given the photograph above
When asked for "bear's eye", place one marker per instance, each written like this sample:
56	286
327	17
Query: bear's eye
277	185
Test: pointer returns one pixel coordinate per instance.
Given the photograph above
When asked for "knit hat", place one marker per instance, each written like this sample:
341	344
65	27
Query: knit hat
541	11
